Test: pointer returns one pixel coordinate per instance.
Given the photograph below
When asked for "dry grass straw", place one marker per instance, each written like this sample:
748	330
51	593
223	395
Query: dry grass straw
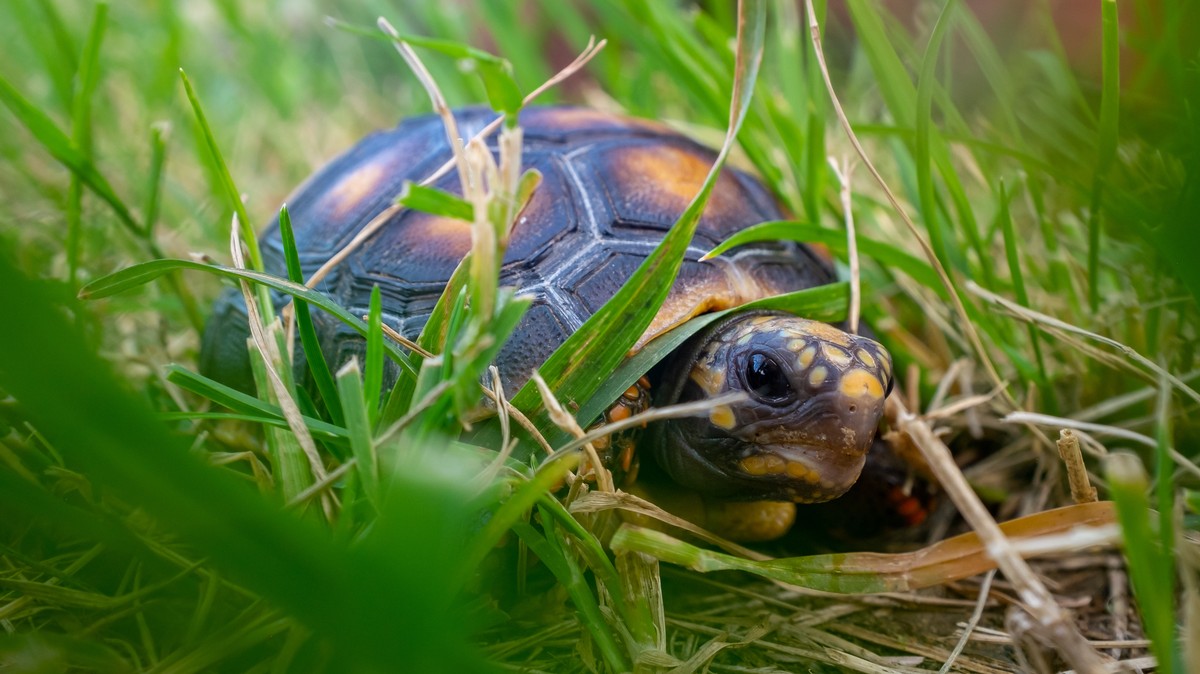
273	359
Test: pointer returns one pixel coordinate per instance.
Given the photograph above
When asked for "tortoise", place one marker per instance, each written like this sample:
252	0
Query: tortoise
612	186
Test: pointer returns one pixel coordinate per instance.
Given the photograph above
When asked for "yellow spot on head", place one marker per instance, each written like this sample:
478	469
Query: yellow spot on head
796	344
710	379
723	417
839	358
859	383
817	377
827	333
806	357
866	357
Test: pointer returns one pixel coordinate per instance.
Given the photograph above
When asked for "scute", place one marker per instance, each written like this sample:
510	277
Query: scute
611	187
648	184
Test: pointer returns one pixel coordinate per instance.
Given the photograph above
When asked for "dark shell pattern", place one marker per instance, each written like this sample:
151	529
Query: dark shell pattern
612	186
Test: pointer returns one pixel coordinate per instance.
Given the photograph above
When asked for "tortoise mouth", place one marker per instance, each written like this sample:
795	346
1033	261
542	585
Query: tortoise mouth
802	473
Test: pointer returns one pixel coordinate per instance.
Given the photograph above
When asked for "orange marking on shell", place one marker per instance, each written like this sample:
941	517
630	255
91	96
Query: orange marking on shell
353	188
440	226
675	173
631	393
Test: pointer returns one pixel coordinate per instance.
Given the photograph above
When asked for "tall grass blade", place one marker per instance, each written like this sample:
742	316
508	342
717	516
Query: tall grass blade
1154	589
924	122
1018	280
358	423
246	404
290	468
61	148
154	178
1110	99
314	355
373	374
81	131
232	195
889	257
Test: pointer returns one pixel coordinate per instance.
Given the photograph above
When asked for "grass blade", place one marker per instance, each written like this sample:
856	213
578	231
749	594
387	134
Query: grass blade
373	378
246	404
1154	590
140	274
232	195
154	178
61	148
314	355
81	131
435	201
566	570
1018	281
358	424
889	257
1110	100
290	468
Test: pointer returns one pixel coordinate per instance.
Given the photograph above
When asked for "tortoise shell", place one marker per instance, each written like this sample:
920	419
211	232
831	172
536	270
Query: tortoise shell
612	186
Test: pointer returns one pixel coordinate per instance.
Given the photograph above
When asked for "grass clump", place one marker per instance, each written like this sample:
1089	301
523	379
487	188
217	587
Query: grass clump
1054	195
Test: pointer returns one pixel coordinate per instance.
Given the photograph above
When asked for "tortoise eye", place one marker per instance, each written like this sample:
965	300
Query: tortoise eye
765	378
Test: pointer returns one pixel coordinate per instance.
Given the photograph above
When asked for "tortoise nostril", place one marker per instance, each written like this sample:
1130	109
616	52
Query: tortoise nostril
853	407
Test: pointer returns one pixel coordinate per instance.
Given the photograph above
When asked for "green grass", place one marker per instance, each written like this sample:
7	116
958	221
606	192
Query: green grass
157	521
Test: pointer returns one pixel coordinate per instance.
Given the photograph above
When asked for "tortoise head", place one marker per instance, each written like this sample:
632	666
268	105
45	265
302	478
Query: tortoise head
814	398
